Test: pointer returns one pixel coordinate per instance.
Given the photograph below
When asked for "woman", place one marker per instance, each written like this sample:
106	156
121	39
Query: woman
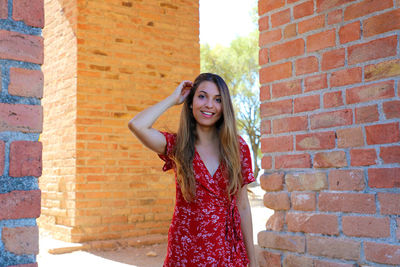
211	225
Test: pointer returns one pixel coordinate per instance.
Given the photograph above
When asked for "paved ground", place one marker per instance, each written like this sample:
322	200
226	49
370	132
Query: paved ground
148	256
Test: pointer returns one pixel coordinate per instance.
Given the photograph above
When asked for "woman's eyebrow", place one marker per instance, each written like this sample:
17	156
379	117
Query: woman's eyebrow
201	91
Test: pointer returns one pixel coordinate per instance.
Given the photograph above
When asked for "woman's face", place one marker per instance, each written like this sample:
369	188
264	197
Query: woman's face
207	104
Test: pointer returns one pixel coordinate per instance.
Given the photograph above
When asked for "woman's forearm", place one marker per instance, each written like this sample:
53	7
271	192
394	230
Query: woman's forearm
247	230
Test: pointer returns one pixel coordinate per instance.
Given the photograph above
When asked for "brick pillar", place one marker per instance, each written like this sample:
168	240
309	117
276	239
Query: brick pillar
21	116
330	132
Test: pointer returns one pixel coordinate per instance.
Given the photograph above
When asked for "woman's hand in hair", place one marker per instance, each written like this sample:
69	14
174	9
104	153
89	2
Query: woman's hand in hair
181	92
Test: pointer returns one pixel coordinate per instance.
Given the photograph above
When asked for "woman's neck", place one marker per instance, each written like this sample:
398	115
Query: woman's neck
206	135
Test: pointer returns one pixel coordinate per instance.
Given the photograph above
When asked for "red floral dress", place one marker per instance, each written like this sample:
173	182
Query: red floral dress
206	231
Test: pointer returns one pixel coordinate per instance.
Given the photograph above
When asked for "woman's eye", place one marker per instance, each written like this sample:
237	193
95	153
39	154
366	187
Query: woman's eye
201	96
218	100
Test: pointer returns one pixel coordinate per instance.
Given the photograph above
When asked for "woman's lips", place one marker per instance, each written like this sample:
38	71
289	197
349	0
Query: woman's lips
207	114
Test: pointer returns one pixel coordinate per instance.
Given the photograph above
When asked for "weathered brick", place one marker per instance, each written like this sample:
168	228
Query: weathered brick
366	226
398	229
19	117
303	10
321	40
363	157
292	260
20	204
2	156
290	124
24	82
333	99
287	50
390	154
277	201
350	137
313	23
381	23
280	18
323	263
266	6
380	48
306	181
382	70
347	202
276	72
392	109
335	16
367	114
23	47
276	108
382	253
281	241
382	133
265	127
3	9
384	177
346	180
269	259
263	23
338	248
323	5
276	221
306	65
326	224
390	203
346	76
25	265
293	161
366	7
331	119
350	32
290	31
306	103
25	159
333	59
272	182
265	93
263	56
31	12
315	141
286	88
266	162
277	144
303	201
270	37
21	240
330	159
316	82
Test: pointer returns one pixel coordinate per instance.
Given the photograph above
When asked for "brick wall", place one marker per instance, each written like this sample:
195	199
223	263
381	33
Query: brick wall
21	114
105	62
330	132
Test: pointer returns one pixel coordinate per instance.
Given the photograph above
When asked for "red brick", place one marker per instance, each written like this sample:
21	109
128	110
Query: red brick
25	265
290	124
276	72
20	204
315	141
311	24
382	133
326	224
21	240
287	50
24	82
266	6
330	159
265	127
366	7
335	16
333	59
306	65
316	82
303	201
266	162
281	241
276	221
263	23
276	108
346	180
303	10
392	109
350	32
263	56
2	156
306	181
382	253
390	203
375	49
31	12
350	137
321	40
19	117
322	263
381	23
363	157
306	103
366	226
293	161
338	248
272	182
347	202
323	5
290	31
277	144
333	99
345	77
286	88
265	93
367	114
390	154
3	9
398	229
331	119
23	47
382	70
25	159
280	18
292	260
277	201
370	92
269	259
384	177
270	37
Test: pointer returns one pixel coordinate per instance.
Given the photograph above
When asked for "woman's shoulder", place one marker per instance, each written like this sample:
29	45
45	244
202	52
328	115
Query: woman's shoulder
242	142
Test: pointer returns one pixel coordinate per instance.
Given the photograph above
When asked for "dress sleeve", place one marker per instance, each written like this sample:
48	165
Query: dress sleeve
169	148
245	158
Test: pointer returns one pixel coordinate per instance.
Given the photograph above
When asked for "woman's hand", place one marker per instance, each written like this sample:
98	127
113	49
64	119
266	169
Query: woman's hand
181	92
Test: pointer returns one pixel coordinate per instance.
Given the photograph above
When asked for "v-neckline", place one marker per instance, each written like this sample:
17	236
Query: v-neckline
205	166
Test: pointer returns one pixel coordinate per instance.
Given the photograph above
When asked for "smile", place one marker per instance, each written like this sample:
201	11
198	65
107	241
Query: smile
208	114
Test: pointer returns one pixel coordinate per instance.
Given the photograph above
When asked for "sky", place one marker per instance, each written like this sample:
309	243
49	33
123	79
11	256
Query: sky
223	20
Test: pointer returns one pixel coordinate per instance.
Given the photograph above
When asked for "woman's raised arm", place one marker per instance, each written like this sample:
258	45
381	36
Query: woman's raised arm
141	124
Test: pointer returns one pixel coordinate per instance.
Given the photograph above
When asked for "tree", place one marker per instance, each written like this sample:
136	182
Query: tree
238	65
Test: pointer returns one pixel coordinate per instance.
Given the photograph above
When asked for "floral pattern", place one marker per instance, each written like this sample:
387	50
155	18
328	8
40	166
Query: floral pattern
206	231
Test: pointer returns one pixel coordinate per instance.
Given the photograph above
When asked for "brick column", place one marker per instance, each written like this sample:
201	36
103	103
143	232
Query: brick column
330	132
21	57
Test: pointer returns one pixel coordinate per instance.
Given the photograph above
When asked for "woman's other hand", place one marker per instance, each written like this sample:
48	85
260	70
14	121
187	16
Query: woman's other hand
181	92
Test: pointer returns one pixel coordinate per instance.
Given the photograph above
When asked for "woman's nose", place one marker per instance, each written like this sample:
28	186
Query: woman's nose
209	103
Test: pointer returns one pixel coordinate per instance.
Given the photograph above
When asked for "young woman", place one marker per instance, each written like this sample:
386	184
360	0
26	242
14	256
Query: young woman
211	225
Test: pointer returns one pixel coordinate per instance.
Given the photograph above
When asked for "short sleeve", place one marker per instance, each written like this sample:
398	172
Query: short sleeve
245	158
169	148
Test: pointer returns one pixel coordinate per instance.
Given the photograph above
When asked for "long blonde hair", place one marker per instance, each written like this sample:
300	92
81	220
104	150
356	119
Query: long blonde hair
228	147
